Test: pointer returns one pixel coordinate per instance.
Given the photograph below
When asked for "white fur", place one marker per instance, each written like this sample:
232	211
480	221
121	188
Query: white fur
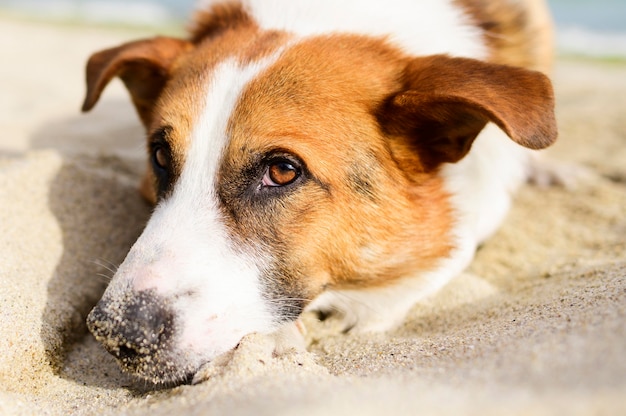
419	27
186	254
482	183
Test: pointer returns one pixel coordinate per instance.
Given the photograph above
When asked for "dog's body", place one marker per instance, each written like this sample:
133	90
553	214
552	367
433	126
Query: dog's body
316	154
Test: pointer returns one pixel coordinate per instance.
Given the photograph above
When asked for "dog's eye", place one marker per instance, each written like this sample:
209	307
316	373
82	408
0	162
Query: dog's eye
160	158
280	173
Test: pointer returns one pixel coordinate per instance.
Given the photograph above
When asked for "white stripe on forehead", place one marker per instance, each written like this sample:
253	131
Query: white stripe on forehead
186	247
186	229
190	215
210	136
194	204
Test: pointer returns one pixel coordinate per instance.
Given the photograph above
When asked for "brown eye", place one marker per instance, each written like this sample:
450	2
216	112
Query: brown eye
280	174
160	158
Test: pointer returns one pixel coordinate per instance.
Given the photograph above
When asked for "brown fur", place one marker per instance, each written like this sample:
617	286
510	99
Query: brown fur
178	106
147	66
318	97
352	108
321	95
144	66
211	22
448	101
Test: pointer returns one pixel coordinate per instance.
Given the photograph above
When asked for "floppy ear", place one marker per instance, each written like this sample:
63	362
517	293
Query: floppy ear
144	67
446	102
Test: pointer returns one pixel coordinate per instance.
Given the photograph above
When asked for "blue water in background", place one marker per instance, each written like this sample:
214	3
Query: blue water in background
596	15
590	27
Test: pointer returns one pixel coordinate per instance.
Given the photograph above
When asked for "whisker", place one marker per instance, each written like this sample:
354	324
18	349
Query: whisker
112	267
104	278
288	299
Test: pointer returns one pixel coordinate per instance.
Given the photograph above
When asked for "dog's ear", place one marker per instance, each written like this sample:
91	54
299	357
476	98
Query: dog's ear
446	102
144	66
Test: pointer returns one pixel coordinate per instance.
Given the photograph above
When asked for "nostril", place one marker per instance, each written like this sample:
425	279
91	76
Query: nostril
125	352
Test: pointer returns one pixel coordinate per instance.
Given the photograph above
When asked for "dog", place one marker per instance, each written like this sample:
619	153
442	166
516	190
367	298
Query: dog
340	157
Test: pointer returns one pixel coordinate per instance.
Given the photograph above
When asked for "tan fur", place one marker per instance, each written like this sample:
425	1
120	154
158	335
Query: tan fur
442	109
337	92
209	23
350	106
366	137
518	33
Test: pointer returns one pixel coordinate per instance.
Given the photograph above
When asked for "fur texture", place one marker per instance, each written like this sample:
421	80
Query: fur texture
304	155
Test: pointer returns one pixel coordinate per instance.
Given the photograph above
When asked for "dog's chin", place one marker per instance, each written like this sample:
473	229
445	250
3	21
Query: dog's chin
153	373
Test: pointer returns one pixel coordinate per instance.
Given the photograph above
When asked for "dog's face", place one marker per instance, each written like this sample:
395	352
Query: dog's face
282	168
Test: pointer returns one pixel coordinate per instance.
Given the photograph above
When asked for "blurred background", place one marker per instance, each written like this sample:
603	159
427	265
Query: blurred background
584	27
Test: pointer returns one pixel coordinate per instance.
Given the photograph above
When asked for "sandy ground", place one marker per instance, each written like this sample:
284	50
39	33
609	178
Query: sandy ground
535	326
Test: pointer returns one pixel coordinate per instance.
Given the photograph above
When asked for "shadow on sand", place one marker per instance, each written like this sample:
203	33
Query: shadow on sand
95	200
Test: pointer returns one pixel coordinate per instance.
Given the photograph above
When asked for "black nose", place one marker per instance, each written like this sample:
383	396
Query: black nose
133	327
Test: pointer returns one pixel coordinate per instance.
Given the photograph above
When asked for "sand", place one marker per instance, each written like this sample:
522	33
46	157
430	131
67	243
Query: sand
535	326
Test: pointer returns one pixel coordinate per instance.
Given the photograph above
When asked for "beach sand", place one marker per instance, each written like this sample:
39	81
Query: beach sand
535	326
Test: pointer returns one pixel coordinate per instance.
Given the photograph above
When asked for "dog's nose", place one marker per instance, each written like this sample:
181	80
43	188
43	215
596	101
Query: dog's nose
131	328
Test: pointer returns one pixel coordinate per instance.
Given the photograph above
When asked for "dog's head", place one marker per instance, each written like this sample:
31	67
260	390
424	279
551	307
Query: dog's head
283	167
